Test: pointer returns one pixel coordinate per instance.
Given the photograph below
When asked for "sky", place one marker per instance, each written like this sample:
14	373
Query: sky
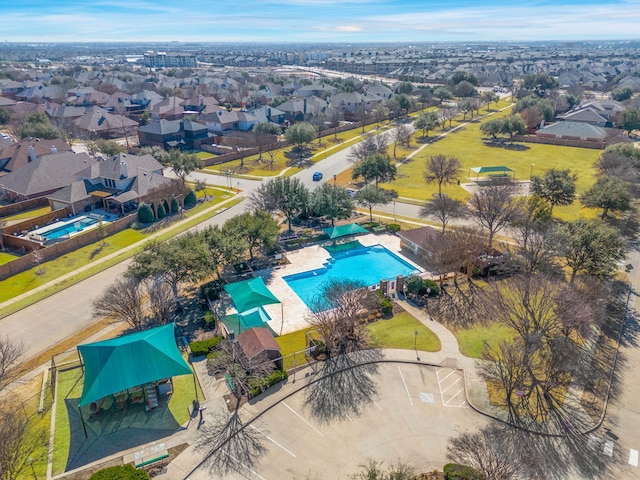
311	21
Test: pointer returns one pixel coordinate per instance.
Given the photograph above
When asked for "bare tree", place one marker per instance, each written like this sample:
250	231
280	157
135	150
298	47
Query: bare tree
122	300
401	135
368	147
494	206
161	301
490	451
442	170
447	114
17	443
10	354
3	226
444	209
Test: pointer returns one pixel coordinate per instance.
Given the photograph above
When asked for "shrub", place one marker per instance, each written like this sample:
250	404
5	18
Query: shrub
145	214
203	347
393	228
435	289
209	320
190	199
121	472
175	206
259	385
386	307
161	211
454	471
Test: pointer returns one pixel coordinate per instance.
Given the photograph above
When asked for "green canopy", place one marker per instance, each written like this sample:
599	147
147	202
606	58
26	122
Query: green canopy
480	170
124	362
343	230
250	294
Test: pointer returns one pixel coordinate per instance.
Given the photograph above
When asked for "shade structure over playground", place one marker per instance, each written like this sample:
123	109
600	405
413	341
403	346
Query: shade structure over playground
344	230
490	170
128	361
250	294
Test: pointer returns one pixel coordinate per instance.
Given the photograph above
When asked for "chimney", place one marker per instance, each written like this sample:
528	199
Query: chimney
54	149
32	154
123	170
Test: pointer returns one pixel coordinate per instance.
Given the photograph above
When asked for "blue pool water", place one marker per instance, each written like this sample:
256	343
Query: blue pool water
367	265
63	230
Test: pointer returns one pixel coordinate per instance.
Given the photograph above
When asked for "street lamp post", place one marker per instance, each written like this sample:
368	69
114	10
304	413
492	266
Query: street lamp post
531	171
394	210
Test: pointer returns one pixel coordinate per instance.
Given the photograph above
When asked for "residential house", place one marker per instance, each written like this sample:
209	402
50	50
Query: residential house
18	154
174	134
318	90
97	122
43	175
266	114
223	122
169	108
199	104
298	110
117	184
418	240
256	341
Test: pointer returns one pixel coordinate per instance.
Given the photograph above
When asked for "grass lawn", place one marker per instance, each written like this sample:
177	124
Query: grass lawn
6	258
112	431
28	280
472	340
399	332
468	146
290	344
28	214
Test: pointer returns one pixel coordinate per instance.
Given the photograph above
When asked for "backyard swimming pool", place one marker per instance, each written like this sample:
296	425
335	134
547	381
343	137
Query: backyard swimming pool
367	265
65	228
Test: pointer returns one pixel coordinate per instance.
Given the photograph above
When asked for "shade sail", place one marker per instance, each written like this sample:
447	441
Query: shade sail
479	170
124	362
250	294
343	230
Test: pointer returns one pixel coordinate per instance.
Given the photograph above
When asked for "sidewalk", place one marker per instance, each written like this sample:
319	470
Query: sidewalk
70	275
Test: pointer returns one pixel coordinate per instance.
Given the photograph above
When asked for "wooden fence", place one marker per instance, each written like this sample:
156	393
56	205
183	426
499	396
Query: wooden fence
19	207
559	141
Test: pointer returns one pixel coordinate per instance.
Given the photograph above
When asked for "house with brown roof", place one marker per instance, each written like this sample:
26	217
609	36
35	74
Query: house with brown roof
97	122
255	341
43	175
18	154
117	184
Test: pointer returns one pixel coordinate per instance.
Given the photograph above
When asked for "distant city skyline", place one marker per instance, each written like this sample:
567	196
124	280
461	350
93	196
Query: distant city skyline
318	20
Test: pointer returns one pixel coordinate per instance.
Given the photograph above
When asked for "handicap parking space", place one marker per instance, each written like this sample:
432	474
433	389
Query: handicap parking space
451	387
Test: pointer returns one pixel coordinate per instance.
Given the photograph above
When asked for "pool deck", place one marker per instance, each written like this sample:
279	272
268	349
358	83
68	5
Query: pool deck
296	313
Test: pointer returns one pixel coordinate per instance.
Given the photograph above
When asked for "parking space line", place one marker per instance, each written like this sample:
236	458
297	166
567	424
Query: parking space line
273	441
633	457
304	420
377	405
348	417
457	393
453	384
405	386
450	373
244	466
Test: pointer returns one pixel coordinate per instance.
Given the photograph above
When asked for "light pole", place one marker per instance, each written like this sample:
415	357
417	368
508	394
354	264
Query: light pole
415	345
394	210
531	172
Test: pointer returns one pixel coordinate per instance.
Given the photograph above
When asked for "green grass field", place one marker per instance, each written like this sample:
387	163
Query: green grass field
28	214
468	145
6	258
399	332
472	340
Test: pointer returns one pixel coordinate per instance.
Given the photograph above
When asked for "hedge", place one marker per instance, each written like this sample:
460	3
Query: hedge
203	347
121	472
175	206
145	214
259	385
161	211
190	200
454	471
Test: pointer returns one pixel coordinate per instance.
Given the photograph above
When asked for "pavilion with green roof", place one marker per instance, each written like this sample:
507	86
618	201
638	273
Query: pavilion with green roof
498	171
344	230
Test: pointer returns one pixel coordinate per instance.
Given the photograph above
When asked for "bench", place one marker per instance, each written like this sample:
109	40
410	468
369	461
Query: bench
498	175
149	455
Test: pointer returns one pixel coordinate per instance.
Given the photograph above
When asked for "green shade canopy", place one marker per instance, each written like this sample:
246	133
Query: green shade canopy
124	362
250	294
480	170
343	230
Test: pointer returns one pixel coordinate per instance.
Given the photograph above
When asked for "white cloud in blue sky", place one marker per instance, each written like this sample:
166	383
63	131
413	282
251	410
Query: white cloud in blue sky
317	20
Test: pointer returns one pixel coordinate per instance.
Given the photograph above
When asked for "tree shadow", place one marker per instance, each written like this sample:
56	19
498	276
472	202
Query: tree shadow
233	446
345	386
514	147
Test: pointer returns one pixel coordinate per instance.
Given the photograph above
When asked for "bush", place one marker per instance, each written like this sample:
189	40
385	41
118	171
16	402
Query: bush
435	289
190	200
161	211
209	320
386	307
175	206
145	214
454	471
319	348
121	472
393	228
259	385
203	347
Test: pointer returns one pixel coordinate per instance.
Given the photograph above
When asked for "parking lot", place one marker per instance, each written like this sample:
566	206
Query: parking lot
416	410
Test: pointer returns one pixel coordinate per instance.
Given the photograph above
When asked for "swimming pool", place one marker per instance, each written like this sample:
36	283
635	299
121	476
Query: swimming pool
367	265
65	228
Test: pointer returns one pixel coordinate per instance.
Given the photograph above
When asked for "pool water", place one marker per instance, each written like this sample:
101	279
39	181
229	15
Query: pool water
73	227
368	265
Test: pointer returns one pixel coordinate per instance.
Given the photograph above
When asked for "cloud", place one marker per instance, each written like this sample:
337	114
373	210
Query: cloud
347	28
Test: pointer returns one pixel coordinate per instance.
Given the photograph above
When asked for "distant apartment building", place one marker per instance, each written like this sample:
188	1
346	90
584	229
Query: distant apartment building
169	60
